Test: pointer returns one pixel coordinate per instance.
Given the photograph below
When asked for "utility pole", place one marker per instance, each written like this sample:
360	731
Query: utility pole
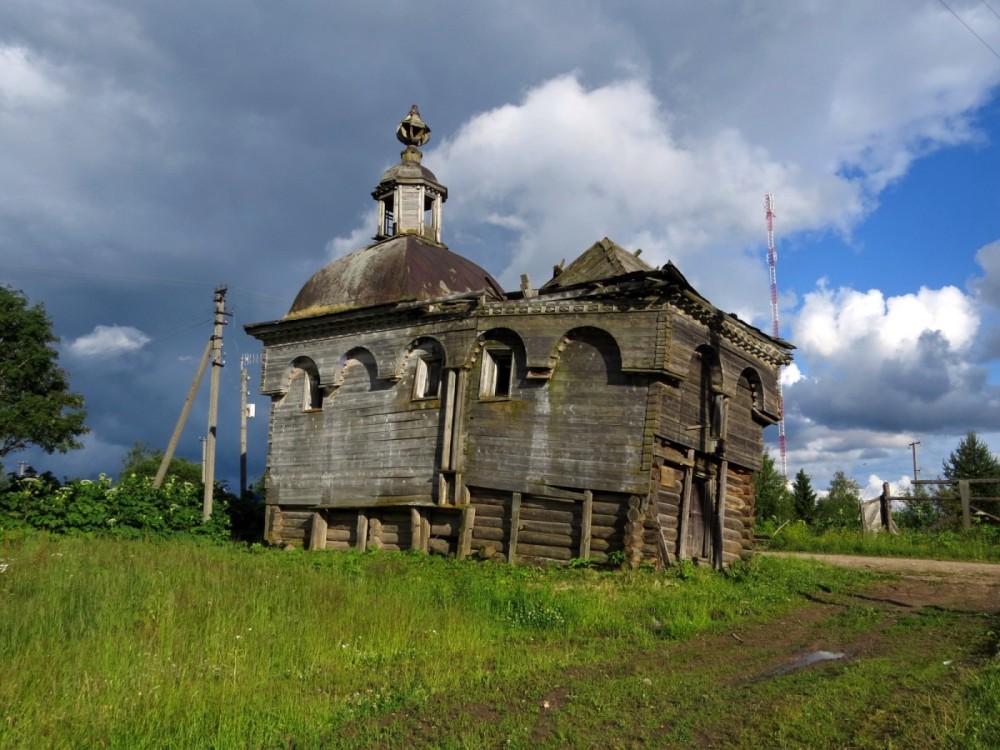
913	447
213	400
244	379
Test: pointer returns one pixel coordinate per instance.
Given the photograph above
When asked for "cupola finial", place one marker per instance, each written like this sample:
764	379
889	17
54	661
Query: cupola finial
413	131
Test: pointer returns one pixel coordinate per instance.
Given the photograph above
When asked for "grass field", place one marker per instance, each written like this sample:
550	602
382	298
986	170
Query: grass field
980	544
136	644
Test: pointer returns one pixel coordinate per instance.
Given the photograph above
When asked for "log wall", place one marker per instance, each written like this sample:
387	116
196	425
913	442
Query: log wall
528	529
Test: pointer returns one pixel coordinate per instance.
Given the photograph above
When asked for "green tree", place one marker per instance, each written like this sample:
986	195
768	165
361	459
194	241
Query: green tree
841	506
36	405
772	501
919	512
143	461
972	459
803	497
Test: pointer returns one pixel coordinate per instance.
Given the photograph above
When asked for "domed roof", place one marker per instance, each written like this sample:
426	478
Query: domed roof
404	268
407	171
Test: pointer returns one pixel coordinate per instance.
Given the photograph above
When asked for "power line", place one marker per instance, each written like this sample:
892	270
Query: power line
971	30
991	8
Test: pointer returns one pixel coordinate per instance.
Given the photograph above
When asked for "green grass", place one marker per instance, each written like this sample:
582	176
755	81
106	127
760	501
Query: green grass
141	644
980	544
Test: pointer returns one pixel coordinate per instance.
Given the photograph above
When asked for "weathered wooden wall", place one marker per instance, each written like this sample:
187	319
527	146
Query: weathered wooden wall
632	431
581	428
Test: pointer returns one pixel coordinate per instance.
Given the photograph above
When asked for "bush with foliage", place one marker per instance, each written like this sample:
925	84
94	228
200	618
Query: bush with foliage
131	508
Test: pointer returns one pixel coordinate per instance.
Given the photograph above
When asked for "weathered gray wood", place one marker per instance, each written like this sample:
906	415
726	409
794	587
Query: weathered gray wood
515	521
338	535
541	552
490	533
685	516
585	532
417	530
458	432
465	535
317	532
720	517
362	534
450	390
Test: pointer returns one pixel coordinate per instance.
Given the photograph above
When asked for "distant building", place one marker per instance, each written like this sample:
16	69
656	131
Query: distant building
414	404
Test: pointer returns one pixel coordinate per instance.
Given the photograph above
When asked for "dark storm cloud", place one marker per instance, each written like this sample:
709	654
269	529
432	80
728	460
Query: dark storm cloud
154	150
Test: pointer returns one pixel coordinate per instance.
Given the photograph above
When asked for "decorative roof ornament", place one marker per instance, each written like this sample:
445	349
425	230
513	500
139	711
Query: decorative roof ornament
413	131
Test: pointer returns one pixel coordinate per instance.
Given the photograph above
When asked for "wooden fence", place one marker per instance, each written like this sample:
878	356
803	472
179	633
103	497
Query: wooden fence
969	503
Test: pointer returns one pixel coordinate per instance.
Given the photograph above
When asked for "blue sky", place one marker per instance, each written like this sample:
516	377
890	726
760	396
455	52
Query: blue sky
155	151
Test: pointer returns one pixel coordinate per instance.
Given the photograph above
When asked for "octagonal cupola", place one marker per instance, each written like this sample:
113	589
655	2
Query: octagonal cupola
409	196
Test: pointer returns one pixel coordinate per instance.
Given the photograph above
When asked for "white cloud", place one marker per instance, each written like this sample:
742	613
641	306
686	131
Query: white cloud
790	375
24	81
834	323
109	341
569	164
360	237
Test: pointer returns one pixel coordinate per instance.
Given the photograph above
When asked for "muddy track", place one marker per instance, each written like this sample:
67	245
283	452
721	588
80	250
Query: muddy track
963	586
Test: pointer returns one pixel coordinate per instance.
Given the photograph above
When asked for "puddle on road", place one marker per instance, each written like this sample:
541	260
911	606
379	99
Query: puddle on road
809	659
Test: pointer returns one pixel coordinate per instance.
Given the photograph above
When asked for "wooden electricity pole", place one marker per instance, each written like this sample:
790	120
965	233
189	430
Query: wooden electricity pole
213	401
244	379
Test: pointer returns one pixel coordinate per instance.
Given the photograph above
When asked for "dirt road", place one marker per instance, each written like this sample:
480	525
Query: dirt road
963	586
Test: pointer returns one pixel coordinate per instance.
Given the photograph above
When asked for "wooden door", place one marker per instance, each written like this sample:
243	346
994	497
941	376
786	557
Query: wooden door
701	521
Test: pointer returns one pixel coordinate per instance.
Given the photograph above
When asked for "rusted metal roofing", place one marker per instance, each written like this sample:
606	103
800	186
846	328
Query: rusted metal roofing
405	268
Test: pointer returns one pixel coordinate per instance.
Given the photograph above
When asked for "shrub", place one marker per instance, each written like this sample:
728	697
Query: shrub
132	508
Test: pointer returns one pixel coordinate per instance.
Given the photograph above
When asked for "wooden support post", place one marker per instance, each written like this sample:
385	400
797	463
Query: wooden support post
450	380
362	530
417	540
585	526
963	493
515	522
465	532
885	507
457	455
684	521
720	514
317	531
185	410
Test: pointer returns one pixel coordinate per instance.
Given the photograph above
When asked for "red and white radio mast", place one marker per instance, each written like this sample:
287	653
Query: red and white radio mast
772	262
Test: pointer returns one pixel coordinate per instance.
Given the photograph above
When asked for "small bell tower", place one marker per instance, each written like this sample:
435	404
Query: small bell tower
409	196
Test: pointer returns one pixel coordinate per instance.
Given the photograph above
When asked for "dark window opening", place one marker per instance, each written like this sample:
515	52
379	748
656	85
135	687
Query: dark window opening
389	220
498	369
427	380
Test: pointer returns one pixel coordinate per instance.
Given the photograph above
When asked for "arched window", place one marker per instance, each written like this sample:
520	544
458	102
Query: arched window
502	351
426	357
312	393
